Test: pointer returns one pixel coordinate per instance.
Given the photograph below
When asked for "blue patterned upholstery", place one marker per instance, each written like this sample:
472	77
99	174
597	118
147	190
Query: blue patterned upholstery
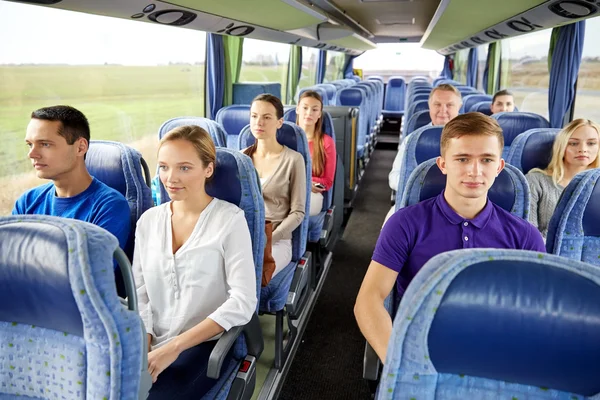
355	97
509	191
532	149
419	97
574	230
472	99
244	93
394	96
368	88
214	129
64	333
417	120
484	107
422	145
515	123
416	106
233	119
274	295
120	167
496	324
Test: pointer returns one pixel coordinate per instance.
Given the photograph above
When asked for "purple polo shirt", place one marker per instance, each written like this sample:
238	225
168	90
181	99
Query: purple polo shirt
416	233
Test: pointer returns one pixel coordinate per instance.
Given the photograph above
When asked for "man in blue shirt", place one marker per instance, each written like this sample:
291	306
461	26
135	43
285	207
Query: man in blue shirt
461	217
58	138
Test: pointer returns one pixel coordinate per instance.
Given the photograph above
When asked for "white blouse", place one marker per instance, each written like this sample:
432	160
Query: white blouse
211	276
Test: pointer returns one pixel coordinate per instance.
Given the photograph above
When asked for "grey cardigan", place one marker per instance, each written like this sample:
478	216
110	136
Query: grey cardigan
544	195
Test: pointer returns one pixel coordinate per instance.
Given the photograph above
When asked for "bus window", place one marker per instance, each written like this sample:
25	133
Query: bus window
308	76
335	66
461	59
482	52
127	77
265	62
407	60
524	71
587	102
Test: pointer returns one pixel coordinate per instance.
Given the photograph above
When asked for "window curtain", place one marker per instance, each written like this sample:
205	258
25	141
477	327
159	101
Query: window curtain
486	70
295	72
215	73
234	47
447	71
321	66
349	66
472	68
493	66
564	57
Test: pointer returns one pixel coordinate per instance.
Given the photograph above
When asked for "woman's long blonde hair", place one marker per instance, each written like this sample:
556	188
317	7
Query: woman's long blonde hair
318	155
556	168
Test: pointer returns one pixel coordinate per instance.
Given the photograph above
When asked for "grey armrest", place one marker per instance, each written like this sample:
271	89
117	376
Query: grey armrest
297	295
370	363
254	344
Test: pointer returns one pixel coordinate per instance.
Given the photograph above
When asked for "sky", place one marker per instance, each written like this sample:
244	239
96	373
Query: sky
66	37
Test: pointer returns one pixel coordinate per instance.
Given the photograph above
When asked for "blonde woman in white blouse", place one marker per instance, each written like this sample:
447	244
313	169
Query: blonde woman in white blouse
193	268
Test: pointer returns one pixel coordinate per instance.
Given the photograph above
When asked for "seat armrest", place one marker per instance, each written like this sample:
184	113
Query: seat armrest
370	363
297	295
254	343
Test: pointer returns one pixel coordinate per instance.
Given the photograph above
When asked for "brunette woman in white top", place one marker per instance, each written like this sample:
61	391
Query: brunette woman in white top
193	268
282	175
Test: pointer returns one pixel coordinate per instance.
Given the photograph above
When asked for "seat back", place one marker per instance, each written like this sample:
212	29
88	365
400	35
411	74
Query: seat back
122	168
290	116
245	92
532	149
491	323
394	94
292	136
509	191
375	78
355	97
331	93
484	107
417	120
416	106
421	145
214	129
515	123
574	229
419	97
233	119
319	89
472	99
63	330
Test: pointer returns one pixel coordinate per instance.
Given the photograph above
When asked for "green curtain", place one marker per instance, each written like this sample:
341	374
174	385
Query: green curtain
294	69
553	40
494	67
234	47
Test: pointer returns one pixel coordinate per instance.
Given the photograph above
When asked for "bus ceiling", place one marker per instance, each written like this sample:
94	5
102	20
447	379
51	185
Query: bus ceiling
349	26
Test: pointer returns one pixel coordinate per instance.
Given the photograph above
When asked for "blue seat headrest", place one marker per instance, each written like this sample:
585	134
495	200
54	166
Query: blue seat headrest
483	107
234	118
515	123
104	162
225	183
352	96
428	145
290	116
531	322
537	151
286	135
396	81
591	215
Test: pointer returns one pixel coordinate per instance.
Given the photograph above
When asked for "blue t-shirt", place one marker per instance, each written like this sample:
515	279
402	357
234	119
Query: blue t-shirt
99	204
416	233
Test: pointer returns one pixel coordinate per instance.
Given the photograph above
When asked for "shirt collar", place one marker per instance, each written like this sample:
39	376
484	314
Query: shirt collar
479	221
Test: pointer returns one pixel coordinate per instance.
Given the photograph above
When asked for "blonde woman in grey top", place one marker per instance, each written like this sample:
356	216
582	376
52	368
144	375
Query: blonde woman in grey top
575	150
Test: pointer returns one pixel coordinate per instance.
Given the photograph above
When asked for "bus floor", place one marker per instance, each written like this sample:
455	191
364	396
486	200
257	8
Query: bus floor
328	362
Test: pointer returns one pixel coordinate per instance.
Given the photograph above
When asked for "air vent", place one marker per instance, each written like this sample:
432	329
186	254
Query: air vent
394	21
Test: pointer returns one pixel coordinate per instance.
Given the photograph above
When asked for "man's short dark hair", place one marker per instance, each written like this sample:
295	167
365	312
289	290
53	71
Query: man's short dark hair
502	92
74	124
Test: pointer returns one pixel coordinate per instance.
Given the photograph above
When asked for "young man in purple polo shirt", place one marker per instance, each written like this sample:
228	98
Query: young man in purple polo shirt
461	217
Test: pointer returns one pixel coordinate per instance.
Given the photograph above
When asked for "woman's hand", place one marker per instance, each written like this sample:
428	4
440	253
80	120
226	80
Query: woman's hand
161	358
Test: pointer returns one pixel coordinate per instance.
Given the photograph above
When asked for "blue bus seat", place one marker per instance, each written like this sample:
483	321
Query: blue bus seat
515	123
64	331
483	107
233	119
319	89
509	191
287	292
472	99
331	92
235	181
375	78
478	323
245	92
356	78
419	97
574	229
417	120
532	149
214	129
416	106
355	97
393	105
422	145
122	168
